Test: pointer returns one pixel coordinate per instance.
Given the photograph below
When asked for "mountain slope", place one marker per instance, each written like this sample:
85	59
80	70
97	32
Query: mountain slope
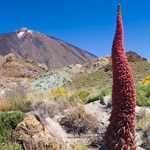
42	49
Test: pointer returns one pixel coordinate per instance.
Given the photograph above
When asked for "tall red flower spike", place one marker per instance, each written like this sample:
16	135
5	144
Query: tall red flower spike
120	133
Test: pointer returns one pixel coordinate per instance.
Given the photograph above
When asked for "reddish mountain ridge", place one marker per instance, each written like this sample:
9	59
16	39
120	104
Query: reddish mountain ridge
42	49
15	67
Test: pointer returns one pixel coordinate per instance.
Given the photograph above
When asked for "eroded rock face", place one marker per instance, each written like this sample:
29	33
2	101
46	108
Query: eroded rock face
14	67
134	57
34	135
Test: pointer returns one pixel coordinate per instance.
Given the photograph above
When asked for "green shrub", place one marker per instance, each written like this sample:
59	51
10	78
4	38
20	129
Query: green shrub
143	95
99	94
8	135
82	95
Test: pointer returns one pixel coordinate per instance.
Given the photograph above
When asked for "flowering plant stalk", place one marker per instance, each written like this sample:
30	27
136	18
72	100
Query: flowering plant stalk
120	134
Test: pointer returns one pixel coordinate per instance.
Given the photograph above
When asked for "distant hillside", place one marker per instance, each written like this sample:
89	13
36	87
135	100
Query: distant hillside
94	74
42	49
13	67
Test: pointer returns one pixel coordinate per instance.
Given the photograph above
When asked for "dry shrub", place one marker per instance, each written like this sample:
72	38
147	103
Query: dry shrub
80	122
53	107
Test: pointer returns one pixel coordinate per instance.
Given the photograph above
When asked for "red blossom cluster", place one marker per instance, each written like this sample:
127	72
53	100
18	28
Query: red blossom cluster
120	133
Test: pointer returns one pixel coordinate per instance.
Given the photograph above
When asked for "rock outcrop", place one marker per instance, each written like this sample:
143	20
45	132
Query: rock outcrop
134	57
35	134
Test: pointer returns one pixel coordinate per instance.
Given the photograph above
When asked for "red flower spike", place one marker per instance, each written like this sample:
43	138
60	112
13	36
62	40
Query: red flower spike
125	147
123	94
133	147
122	141
128	141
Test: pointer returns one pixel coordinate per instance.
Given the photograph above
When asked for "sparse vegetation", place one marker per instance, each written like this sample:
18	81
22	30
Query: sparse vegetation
93	80
102	79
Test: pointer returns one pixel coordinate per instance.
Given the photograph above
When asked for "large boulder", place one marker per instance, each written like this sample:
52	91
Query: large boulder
34	134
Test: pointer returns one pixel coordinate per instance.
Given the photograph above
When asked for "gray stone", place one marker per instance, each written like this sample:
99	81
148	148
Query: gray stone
106	100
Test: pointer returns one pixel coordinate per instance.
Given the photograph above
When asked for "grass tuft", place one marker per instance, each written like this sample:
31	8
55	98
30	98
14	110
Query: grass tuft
15	99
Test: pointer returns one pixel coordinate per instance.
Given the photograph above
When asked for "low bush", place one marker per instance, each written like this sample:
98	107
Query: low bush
99	94
8	135
80	122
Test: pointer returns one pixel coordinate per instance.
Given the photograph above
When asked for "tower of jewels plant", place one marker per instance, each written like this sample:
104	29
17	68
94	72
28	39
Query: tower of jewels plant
120	133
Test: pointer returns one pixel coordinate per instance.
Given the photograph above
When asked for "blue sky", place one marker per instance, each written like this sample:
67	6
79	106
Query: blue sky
87	24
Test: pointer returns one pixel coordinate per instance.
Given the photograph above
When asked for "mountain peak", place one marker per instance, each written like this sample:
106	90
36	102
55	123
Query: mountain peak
23	29
42	49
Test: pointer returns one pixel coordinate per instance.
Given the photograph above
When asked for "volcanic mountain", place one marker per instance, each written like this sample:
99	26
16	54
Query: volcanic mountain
42	49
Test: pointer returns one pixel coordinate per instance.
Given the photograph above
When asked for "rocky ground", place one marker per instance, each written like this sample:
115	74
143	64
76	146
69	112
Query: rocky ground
49	121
